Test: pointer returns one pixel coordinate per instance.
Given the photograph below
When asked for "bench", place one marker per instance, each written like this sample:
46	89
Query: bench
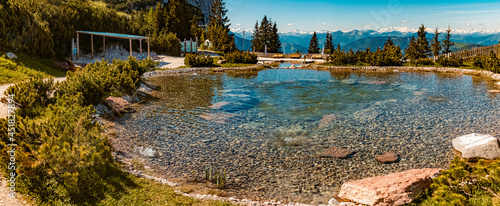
295	56
317	56
278	56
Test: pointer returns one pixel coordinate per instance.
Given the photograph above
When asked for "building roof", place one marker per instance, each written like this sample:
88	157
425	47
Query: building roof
115	35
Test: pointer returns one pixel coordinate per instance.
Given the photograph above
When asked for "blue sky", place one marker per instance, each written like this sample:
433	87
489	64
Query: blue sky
332	15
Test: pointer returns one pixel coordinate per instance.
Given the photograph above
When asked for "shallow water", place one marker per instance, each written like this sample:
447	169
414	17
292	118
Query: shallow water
268	128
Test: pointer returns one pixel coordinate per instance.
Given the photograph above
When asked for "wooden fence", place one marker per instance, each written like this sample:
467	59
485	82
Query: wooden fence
477	51
291	56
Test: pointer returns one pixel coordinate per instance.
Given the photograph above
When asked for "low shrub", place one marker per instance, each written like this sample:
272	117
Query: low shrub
241	57
100	80
453	61
167	43
197	60
64	158
423	62
462	184
490	62
31	96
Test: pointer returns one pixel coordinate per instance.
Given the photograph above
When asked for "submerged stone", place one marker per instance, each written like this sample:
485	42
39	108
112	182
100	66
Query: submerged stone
337	152
388	157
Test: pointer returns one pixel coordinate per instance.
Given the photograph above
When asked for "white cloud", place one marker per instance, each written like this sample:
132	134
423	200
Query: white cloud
404	21
290	24
468	24
238	24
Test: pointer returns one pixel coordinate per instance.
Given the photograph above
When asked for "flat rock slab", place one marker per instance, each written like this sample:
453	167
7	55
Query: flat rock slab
219	118
327	119
118	105
337	152
219	105
493	91
392	189
388	157
477	146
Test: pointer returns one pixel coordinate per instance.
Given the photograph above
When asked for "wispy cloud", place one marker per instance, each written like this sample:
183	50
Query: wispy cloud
238	24
290	24
404	21
469	12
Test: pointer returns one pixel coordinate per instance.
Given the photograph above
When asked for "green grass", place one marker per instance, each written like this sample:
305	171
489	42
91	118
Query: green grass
132	190
24	67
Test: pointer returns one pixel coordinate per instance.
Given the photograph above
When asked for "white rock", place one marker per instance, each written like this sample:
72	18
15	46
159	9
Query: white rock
333	202
11	55
477	146
145	151
498	83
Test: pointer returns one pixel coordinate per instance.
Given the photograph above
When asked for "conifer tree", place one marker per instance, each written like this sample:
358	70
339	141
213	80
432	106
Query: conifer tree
329	44
447	43
179	17
274	40
411	52
436	45
423	48
257	38
266	34
313	45
218	29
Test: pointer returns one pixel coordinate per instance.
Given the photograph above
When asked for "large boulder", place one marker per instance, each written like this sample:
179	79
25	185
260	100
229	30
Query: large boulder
392	189
477	146
118	105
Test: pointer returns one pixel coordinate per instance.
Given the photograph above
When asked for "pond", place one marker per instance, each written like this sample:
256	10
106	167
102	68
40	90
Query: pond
268	128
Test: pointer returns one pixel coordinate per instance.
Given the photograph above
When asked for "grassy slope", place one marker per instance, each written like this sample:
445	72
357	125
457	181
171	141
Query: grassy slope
138	191
24	67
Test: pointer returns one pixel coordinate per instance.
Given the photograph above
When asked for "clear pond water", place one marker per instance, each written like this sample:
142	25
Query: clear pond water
269	128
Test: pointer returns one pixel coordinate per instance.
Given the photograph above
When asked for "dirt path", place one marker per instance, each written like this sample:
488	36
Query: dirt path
5	199
4	87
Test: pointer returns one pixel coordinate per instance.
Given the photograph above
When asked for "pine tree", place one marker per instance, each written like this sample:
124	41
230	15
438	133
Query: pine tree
218	29
329	44
313	45
423	48
411	52
447	43
257	39
436	45
274	40
266	34
179	17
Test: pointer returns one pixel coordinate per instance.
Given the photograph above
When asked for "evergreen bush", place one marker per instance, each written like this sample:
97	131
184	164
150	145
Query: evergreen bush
197	60
241	57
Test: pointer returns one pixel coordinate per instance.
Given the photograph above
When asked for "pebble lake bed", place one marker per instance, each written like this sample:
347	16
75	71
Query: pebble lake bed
269	129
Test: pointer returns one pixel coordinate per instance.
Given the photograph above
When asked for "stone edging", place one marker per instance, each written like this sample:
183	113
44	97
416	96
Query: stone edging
482	73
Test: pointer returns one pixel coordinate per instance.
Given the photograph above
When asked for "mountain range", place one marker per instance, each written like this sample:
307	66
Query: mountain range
362	39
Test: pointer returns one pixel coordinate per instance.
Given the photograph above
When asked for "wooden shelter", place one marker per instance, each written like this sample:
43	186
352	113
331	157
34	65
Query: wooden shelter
112	35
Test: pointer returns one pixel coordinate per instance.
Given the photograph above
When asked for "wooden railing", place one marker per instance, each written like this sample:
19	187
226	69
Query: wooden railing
477	51
290	56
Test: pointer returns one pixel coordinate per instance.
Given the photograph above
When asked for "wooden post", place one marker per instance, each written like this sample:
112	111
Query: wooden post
185	46
130	42
197	45
92	45
104	46
140	45
72	49
77	46
149	56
